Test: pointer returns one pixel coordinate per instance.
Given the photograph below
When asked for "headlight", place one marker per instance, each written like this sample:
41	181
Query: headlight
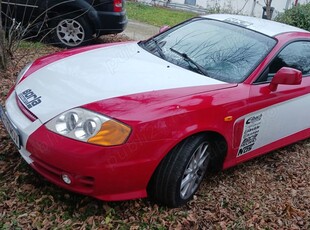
22	72
84	125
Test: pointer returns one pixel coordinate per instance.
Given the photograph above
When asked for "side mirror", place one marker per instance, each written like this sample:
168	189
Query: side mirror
164	28
285	76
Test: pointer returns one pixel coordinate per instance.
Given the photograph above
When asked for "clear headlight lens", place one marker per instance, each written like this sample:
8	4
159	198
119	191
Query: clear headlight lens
22	72
84	125
66	122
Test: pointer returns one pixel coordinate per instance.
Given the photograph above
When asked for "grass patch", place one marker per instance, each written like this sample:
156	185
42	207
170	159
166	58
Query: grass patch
32	45
157	16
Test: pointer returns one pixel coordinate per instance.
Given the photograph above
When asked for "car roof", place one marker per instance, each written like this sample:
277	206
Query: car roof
267	27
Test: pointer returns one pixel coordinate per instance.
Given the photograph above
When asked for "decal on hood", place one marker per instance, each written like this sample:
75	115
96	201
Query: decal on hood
102	74
29	98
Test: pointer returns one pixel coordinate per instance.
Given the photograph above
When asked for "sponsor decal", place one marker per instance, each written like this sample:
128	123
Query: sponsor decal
254	119
29	98
251	129
238	22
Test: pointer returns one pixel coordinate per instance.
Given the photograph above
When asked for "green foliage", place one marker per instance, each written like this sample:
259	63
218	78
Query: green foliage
298	16
32	45
156	15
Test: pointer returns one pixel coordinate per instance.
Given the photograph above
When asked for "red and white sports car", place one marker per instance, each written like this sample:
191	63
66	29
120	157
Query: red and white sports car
124	121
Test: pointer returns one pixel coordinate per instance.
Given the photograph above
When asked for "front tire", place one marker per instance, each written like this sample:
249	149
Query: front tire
71	32
180	173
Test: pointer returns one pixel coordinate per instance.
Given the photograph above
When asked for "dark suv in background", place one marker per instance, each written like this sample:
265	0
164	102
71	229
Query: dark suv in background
66	23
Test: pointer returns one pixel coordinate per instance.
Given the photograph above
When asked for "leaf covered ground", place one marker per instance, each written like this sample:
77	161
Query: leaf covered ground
269	192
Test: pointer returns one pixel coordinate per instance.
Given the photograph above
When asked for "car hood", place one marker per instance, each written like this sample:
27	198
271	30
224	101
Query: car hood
100	74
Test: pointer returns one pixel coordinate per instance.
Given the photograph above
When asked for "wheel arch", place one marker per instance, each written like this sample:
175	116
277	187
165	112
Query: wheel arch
165	186
76	8
220	144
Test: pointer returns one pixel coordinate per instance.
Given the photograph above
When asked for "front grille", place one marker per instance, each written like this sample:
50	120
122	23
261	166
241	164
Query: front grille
25	111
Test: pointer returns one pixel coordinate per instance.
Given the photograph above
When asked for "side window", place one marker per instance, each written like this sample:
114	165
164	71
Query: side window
295	55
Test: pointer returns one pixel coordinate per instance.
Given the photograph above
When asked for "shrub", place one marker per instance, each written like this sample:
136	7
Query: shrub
298	16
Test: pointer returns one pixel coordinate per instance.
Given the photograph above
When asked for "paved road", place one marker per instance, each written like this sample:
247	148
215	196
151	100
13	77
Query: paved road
140	31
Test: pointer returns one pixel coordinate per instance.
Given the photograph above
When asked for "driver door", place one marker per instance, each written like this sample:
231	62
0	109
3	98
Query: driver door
281	116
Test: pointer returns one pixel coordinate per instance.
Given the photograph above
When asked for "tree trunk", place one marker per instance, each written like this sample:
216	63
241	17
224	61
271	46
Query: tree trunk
268	9
3	56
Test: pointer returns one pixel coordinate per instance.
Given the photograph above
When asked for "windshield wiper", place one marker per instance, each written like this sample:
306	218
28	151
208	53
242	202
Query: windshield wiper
188	59
158	49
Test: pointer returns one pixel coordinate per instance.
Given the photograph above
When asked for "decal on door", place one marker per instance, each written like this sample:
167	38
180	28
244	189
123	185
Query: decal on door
251	129
274	123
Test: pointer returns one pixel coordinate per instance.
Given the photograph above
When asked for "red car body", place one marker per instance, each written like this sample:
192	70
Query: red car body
249	118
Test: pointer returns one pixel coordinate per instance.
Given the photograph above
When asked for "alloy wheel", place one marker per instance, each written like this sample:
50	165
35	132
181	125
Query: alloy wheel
70	32
195	170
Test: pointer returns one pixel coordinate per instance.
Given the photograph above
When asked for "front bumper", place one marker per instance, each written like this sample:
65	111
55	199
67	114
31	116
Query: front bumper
107	173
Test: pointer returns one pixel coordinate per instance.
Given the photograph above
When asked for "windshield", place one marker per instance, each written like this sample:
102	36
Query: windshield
216	49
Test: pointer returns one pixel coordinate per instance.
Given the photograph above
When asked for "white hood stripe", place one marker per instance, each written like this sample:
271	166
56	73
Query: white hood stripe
101	74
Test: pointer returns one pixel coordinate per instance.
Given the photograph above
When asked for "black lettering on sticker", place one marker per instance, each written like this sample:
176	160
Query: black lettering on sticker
29	98
254	119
